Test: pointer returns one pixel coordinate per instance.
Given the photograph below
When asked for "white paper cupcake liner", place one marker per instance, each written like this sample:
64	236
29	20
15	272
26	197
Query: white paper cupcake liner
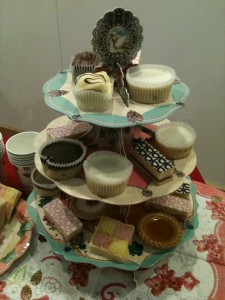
104	186
149	96
92	101
170	146
150	89
104	190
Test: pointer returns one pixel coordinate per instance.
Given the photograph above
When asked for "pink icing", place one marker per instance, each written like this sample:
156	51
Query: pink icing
101	239
62	216
179	204
124	232
74	130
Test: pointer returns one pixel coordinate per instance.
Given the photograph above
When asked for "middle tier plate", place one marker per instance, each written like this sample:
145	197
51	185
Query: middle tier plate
140	182
140	186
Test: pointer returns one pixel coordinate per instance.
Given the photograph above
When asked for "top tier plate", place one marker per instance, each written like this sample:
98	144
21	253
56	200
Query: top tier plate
59	96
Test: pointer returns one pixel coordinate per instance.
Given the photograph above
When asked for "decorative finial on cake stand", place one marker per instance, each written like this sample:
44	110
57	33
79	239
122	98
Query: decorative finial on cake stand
120	86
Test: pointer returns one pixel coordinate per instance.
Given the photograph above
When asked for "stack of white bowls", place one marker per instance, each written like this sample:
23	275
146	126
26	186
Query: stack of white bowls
20	151
2	153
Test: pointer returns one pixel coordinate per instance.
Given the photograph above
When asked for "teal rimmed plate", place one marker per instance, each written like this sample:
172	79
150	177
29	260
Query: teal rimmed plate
149	256
60	97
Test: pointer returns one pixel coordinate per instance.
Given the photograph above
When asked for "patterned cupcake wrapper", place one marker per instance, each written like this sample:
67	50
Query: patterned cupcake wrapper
63	174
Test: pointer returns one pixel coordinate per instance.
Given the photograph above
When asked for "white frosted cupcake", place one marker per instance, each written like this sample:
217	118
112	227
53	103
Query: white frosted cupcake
62	158
175	140
107	173
150	84
93	91
42	185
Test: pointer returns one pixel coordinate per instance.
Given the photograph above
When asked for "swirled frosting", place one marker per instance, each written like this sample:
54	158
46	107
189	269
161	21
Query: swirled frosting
99	82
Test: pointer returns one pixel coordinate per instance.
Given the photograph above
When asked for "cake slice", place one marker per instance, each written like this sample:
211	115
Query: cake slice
159	167
183	191
111	239
11	196
74	130
181	208
65	221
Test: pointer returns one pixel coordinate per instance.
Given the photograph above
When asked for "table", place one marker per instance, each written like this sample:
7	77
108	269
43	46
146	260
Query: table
195	271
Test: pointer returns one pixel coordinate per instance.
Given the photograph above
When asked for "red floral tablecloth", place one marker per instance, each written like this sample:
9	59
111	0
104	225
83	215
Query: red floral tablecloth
195	271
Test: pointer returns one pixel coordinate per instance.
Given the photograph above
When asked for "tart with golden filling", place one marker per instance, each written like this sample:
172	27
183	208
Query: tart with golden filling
160	230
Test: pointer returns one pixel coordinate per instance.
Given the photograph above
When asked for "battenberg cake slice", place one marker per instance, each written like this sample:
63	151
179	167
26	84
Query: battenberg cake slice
111	239
160	168
65	221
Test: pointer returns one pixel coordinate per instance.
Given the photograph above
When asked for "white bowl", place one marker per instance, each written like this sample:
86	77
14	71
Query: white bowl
21	163
21	143
21	157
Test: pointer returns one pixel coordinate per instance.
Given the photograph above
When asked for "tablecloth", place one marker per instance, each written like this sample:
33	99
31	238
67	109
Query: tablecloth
196	270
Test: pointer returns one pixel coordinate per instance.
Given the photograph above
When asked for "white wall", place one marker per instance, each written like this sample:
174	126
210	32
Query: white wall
38	38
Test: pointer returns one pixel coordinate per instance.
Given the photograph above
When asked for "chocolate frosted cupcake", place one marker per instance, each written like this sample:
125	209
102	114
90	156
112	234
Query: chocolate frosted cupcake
42	185
83	62
62	158
150	84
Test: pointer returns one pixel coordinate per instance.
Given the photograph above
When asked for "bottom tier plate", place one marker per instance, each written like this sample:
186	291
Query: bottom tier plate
143	259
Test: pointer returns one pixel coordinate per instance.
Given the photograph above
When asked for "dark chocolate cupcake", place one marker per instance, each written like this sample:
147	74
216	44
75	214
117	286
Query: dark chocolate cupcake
62	158
83	62
42	185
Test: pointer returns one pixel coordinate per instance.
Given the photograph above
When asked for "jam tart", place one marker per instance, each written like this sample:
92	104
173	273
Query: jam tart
160	230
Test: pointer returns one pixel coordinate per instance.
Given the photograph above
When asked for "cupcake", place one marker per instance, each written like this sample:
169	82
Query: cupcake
83	62
93	91
175	140
88	209
62	158
150	84
160	230
42	185
107	173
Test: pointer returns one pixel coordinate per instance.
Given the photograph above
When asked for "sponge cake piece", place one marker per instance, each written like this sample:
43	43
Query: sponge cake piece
11	196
